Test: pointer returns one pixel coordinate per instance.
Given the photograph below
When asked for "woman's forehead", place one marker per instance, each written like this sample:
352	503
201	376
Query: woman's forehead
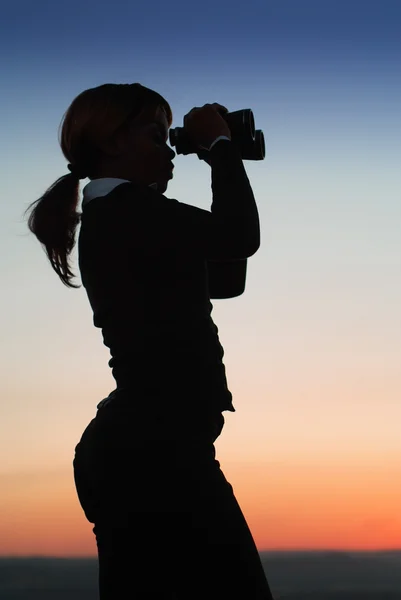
155	117
160	116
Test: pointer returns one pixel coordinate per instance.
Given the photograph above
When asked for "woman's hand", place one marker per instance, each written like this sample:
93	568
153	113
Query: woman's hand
203	125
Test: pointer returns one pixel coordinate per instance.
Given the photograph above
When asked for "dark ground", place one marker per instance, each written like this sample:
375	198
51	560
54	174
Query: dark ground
292	576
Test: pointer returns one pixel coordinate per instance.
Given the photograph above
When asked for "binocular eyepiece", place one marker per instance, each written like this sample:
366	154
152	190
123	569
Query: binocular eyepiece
242	126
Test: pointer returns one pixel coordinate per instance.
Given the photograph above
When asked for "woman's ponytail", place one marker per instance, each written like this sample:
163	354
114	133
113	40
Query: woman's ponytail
53	220
92	119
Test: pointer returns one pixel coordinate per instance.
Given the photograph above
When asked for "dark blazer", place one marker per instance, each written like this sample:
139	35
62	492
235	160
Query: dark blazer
150	266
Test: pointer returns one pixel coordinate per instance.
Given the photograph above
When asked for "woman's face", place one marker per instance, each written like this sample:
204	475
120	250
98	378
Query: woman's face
145	156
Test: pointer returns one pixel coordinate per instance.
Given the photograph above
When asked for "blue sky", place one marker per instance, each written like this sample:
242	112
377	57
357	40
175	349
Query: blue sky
318	330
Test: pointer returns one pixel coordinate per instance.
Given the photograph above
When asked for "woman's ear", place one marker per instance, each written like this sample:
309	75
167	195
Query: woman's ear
122	140
115	145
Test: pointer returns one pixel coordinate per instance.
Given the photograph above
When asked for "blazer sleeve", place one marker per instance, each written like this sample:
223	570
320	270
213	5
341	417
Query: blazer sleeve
230	231
226	278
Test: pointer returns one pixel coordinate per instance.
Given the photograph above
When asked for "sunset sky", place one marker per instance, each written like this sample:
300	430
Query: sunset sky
313	346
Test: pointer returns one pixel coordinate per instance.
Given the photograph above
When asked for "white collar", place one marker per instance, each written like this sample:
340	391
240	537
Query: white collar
103	186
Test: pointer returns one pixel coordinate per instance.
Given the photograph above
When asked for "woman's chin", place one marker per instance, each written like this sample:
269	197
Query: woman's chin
162	186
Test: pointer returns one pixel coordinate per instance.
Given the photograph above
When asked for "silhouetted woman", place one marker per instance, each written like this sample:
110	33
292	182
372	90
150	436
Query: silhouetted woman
166	521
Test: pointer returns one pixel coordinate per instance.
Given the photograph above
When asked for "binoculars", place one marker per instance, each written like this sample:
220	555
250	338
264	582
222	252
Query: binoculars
242	126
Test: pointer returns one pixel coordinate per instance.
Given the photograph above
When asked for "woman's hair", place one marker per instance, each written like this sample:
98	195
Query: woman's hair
92	118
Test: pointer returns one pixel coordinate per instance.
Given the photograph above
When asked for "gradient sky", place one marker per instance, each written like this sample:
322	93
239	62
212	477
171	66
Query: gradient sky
312	348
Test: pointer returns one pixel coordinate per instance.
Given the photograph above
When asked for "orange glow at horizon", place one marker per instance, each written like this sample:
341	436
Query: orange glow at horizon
287	507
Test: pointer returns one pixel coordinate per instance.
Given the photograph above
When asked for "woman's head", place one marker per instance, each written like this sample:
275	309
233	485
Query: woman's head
113	130
119	130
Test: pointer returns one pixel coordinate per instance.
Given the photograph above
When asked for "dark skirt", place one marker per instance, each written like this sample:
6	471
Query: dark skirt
166	520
